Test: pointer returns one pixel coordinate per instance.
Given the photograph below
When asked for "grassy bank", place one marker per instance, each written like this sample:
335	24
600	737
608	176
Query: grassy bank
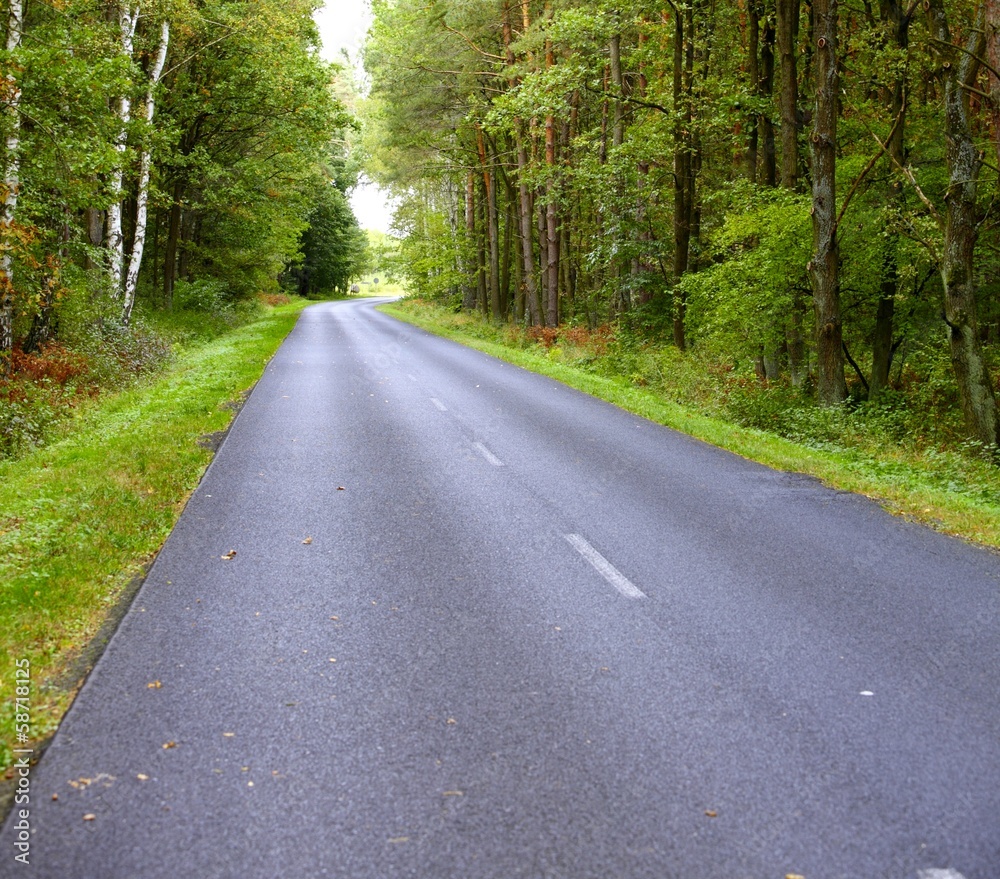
877	453
82	517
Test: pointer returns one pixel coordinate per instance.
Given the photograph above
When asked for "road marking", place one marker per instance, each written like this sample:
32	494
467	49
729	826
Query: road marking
440	406
935	873
488	455
603	567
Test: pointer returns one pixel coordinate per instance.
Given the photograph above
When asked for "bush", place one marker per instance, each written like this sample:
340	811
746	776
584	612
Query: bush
44	387
207	294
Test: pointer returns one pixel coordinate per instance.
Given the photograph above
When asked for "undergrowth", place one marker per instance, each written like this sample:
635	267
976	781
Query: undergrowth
49	386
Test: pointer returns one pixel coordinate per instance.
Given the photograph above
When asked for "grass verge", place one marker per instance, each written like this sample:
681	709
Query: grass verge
949	491
82	518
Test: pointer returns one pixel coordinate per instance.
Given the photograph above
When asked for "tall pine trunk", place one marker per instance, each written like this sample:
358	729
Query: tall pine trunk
551	211
525	209
683	73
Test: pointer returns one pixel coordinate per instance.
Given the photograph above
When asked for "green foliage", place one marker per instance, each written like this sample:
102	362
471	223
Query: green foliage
741	301
334	248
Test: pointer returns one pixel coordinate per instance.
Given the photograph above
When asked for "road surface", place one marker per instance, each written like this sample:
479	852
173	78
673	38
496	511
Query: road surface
429	615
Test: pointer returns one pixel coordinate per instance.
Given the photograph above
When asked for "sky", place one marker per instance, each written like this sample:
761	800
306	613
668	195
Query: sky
342	25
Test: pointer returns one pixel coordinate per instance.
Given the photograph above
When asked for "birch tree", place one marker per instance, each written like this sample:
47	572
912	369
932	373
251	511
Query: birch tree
127	18
11	183
142	194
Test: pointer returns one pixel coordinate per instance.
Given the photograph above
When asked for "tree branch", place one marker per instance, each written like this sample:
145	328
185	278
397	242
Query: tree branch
871	164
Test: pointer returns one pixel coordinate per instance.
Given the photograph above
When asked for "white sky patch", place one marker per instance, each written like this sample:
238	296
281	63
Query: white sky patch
342	26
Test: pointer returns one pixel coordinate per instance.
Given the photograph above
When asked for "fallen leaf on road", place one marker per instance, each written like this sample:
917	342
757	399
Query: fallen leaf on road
90	816
142	777
453	793
229	735
793	876
711	813
335	618
155	685
307	541
397	839
341	488
229	555
168	745
451	720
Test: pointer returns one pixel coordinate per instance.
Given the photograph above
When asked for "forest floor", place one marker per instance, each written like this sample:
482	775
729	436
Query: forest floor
877	452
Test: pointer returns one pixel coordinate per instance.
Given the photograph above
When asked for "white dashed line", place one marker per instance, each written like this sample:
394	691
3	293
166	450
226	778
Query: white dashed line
603	567
440	406
487	454
935	873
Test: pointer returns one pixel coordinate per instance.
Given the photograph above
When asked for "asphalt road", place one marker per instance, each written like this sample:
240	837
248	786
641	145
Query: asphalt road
480	625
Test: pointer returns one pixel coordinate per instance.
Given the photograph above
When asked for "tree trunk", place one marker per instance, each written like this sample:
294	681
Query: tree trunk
824	267
551	218
525	208
506	256
897	22
788	34
115	239
787	14
142	194
882	338
11	185
543	258
992	9
960	69
173	243
769	172
682	67
492	225
482	251
469	293
753	80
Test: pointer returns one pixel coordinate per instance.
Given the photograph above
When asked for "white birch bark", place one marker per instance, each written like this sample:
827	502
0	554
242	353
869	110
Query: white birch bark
127	20
142	197
11	184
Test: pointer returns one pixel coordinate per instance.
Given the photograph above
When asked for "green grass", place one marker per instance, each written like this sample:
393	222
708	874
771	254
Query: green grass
81	518
944	488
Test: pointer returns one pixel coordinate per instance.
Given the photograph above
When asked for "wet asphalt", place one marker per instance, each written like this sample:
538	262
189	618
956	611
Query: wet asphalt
429	615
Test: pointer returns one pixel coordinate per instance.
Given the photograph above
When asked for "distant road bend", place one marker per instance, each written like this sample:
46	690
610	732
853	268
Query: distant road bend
429	615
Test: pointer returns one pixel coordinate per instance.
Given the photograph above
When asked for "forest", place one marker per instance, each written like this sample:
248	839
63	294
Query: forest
801	195
165	164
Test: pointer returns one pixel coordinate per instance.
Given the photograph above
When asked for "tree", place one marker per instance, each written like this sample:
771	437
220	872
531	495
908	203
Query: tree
11	182
960	67
824	267
334	248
